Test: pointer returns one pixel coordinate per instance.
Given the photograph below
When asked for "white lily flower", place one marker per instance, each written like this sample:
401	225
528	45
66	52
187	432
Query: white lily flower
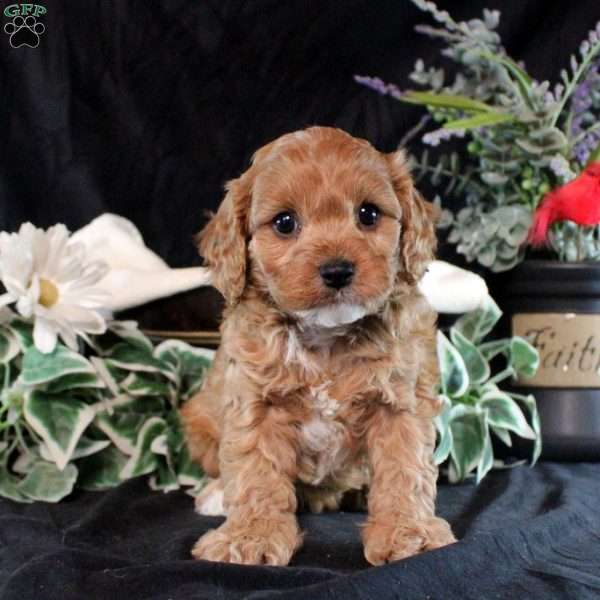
52	284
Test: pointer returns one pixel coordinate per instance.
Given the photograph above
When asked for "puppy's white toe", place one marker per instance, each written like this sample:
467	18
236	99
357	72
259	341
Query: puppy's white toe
209	502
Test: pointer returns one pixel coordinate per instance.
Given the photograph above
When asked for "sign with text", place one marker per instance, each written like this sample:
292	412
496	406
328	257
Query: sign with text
569	347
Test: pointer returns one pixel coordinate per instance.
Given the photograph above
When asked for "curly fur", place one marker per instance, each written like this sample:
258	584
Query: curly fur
316	393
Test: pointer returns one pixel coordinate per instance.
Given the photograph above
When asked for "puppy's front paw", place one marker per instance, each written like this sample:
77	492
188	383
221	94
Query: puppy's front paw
259	541
385	542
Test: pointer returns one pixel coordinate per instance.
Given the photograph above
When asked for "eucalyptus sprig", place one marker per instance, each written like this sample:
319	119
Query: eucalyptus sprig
475	407
523	137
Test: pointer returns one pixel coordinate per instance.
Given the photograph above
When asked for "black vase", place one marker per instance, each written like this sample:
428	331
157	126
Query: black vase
557	306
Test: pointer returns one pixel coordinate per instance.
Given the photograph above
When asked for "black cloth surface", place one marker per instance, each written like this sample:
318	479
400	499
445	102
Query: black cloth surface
524	533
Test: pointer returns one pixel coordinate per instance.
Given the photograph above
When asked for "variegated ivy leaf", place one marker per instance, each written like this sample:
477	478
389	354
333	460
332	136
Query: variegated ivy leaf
75	381
503	434
100	471
9	345
442	424
505	413
467	450
59	421
477	367
137	384
143	460
524	358
41	368
187	363
453	372
189	472
46	482
530	404
9	487
165	479
133	358
85	447
23	332
490	350
478	323
487	454
122	429
128	331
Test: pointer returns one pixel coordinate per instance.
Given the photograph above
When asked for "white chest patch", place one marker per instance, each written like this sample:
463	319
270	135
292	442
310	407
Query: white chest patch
324	447
335	315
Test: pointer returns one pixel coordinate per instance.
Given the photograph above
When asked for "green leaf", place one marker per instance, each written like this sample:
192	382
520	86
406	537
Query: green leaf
9	487
59	421
442	424
187	363
487	455
524	81
467	450
477	324
505	413
132	358
41	368
503	435
128	331
23	332
189	473
446	101
524	358
9	345
453	372
101	471
144	385
486	119
164	479
75	381
477	367
531	406
85	447
490	350
143	460
122	429
48	483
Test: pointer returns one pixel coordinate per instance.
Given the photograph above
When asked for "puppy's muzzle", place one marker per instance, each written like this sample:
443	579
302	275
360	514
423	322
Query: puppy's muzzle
337	273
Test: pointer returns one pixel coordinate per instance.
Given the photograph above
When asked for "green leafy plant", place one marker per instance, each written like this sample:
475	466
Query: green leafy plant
523	137
475	408
93	420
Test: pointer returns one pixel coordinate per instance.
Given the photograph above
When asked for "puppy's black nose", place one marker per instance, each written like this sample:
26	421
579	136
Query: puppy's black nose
337	273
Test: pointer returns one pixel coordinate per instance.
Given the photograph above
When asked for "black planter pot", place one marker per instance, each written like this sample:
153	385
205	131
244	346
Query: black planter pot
558	306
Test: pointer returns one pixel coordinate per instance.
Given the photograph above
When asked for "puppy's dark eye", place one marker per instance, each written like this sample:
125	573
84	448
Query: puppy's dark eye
368	214
285	223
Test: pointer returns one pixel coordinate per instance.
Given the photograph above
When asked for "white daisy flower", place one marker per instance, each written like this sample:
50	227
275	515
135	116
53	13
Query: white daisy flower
51	282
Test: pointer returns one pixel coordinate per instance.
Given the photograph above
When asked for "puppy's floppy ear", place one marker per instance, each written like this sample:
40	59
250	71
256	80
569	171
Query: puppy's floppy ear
417	238
223	242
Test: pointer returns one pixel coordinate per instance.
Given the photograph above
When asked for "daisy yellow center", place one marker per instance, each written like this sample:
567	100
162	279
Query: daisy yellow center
48	293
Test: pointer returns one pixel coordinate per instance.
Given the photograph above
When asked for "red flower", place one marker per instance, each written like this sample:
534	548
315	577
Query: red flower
577	201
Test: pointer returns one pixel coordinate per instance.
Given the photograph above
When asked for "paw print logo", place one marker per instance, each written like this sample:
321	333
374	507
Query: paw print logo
24	31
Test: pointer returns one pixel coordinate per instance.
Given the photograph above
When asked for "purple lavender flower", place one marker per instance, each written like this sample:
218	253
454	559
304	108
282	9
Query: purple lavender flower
374	83
433	138
581	103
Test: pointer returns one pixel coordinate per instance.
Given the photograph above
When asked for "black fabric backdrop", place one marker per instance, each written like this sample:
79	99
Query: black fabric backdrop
525	534
145	108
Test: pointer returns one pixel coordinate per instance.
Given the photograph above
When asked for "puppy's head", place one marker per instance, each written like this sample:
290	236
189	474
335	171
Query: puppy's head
324	224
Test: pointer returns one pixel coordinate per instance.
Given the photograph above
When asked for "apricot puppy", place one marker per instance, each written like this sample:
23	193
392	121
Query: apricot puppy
325	379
